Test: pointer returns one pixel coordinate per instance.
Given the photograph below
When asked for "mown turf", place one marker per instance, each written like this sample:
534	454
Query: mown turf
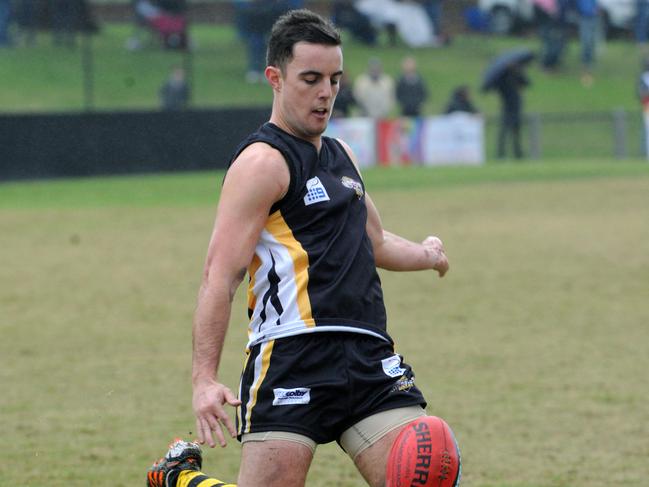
533	347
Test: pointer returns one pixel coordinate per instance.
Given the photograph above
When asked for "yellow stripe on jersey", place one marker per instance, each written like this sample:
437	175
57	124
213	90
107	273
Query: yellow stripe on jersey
252	272
191	478
279	229
265	352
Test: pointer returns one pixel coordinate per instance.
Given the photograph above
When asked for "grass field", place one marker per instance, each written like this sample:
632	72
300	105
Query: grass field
534	347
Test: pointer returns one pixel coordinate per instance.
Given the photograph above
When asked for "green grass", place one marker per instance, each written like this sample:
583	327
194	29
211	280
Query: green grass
533	347
200	188
45	78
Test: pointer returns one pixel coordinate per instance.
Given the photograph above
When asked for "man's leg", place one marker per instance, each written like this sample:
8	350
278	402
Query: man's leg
502	137
372	461
274	463
369	441
187	478
181	467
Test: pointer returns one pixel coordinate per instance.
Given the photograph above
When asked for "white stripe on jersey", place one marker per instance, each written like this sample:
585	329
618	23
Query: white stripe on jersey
273	253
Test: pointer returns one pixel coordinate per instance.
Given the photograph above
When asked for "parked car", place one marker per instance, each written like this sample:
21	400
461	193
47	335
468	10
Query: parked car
505	16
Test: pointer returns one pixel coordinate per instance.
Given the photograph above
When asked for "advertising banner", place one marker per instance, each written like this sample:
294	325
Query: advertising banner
457	138
400	141
448	139
359	134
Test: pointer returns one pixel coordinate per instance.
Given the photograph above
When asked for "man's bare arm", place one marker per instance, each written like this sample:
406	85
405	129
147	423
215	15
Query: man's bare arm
257	179
395	253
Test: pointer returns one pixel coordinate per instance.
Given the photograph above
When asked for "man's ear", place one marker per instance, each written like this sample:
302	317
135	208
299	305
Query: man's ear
274	77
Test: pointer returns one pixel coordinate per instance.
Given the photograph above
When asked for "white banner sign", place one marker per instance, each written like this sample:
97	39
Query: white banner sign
457	138
359	134
449	139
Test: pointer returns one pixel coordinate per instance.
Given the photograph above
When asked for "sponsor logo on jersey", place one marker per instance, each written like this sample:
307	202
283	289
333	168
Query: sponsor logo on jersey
392	366
315	192
284	397
351	184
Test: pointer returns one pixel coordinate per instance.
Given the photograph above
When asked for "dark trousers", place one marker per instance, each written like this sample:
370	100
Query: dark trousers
553	40
510	128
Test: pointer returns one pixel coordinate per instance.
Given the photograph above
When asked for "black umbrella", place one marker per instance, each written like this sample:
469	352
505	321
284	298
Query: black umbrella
498	66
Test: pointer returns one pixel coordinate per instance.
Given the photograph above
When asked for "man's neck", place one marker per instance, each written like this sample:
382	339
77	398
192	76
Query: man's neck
278	122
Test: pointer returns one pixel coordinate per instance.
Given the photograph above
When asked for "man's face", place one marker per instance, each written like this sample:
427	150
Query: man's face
306	90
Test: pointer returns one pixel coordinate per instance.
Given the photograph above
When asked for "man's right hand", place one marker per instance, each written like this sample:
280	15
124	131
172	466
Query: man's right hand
208	401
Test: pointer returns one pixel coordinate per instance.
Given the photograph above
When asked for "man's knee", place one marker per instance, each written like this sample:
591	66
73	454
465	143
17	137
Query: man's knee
274	463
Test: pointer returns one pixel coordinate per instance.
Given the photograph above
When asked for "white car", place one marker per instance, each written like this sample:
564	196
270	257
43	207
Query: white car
506	15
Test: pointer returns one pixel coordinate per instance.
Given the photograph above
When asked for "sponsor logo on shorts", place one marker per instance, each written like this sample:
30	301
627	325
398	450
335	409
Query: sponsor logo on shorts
392	366
315	192
403	384
284	397
351	184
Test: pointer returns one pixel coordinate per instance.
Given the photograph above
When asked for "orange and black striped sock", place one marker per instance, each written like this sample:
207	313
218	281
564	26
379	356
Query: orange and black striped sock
191	478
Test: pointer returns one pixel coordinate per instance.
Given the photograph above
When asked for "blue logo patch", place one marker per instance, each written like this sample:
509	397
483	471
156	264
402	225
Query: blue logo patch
315	192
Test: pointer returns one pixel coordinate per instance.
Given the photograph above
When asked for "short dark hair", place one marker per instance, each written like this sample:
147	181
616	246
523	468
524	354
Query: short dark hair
298	26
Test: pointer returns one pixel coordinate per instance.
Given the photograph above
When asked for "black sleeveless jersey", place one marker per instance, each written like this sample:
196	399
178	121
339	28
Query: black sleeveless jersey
313	268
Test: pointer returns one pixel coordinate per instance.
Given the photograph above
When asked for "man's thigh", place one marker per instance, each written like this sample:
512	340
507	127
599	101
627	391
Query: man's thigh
274	463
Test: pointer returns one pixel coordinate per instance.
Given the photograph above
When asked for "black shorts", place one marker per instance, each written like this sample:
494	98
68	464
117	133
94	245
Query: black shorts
320	384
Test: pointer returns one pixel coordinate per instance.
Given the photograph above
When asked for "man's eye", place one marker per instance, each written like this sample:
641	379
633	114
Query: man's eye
310	81
335	81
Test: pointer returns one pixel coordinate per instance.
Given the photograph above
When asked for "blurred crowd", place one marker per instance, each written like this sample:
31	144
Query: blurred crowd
377	94
381	23
63	18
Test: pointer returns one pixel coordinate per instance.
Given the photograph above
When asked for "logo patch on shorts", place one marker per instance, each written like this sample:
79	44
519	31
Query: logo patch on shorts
392	366
315	192
284	397
403	384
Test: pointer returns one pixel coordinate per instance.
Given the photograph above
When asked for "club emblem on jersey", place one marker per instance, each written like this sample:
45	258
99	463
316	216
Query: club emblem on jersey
351	184
315	192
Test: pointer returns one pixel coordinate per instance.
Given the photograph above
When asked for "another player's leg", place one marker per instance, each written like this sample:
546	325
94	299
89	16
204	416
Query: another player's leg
181	467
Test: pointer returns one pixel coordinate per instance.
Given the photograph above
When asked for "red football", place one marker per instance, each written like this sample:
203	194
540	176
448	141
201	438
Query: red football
424	454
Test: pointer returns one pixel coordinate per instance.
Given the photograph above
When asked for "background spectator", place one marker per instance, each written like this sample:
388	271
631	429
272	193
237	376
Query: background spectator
641	26
434	10
254	19
166	19
587	11
5	19
550	18
66	18
374	91
509	87
347	16
411	90
174	93
460	101
27	20
345	98
642	90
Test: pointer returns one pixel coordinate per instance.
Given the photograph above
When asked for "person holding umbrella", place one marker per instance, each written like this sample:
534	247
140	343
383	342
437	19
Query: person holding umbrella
506	76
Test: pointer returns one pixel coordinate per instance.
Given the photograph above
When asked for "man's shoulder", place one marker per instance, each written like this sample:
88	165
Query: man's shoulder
260	166
259	153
